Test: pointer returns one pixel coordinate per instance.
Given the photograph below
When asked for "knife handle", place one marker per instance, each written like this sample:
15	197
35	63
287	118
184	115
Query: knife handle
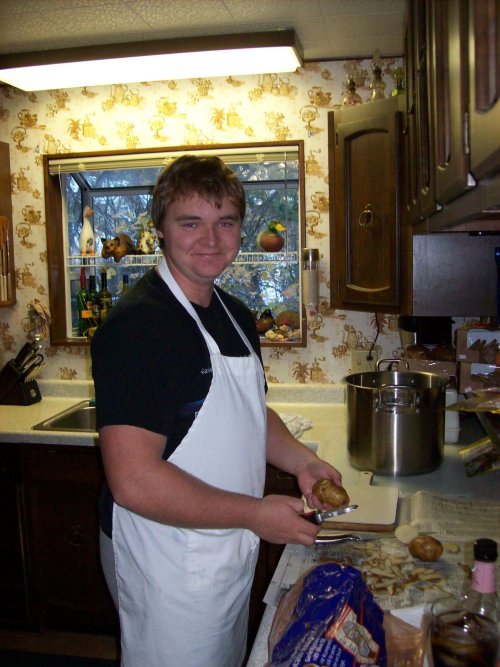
312	517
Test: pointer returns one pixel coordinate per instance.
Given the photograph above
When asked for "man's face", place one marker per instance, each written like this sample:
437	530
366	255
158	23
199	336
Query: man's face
199	241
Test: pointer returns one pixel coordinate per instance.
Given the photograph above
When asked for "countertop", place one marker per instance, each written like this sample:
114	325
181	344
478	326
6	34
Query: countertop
16	421
329	431
323	405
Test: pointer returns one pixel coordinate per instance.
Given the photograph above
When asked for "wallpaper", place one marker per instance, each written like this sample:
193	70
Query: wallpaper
269	107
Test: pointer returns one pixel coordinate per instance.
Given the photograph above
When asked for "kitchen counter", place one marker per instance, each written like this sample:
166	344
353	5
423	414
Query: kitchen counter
329	431
323	405
16	420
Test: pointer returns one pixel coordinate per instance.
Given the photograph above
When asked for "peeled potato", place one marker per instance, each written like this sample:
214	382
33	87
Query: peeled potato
405	533
425	547
330	493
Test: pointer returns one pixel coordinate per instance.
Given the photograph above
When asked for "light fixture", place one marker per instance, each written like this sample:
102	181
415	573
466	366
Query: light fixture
159	60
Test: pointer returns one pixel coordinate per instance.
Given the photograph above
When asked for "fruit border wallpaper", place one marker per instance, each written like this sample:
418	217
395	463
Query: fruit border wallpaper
268	107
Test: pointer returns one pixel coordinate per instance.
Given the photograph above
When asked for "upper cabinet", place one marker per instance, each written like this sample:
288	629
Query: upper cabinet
484	94
7	271
365	172
452	128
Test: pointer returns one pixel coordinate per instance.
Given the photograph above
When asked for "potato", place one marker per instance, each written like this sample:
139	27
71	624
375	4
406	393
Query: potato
328	492
425	547
405	533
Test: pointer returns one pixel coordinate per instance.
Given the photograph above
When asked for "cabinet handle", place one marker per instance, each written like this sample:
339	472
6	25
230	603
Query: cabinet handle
76	536
366	217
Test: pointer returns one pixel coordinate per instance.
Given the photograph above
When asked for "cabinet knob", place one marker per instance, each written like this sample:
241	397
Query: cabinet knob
366	217
76	535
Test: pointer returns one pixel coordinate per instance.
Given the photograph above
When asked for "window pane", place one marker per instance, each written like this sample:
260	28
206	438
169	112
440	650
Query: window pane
120	199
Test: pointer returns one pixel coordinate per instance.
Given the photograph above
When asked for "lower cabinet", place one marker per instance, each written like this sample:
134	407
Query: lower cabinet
50	571
15	610
61	486
277	482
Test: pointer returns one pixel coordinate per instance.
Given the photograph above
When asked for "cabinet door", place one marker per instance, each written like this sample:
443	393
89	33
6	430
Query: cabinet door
7	269
425	154
411	201
14	606
484	35
449	75
365	161
61	486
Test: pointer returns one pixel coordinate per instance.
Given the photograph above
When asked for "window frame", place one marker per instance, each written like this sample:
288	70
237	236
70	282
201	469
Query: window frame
56	256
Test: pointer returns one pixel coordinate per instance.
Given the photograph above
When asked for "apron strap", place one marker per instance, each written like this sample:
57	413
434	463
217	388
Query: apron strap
168	278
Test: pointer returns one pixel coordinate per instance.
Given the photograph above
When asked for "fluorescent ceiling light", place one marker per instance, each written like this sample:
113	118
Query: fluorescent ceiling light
211	56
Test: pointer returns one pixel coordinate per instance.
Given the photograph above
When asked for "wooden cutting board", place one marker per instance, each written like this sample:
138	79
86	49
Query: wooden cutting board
377	507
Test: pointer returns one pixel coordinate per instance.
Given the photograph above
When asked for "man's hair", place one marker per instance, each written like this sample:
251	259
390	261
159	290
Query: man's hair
203	175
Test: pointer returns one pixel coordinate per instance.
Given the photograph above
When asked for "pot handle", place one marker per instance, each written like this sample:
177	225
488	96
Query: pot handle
393	361
396	399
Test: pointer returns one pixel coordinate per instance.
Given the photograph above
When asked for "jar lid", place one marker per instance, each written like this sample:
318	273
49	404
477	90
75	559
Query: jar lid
485	550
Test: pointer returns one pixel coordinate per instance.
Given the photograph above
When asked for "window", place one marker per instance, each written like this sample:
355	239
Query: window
118	187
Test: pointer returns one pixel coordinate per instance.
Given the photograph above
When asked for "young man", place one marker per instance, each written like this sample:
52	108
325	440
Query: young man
185	435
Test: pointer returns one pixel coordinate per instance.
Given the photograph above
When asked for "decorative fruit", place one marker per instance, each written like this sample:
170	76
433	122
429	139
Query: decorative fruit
290	318
270	239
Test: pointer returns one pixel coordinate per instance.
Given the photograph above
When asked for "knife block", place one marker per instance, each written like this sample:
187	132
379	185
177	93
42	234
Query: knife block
23	393
14	391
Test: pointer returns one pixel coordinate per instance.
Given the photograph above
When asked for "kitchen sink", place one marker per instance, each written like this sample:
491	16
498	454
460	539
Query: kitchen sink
79	418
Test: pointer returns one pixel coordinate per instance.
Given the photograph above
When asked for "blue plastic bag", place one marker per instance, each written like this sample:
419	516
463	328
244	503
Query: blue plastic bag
335	621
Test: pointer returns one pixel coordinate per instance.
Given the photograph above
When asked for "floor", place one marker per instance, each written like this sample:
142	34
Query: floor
60	643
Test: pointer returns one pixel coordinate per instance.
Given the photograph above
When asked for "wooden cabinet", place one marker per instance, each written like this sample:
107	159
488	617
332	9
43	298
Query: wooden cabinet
269	554
365	172
61	490
452	122
7	270
15	610
423	157
484	77
50	571
449	94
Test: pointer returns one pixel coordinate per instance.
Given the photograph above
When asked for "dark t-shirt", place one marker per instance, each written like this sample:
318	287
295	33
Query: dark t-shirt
151	365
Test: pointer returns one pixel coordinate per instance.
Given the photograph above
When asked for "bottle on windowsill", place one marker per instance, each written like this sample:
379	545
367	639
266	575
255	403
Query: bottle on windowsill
125	283
94	302
105	296
84	309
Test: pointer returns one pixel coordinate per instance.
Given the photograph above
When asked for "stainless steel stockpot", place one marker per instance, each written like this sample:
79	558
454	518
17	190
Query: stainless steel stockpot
395	421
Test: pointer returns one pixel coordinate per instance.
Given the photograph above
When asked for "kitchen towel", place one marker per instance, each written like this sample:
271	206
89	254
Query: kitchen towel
296	424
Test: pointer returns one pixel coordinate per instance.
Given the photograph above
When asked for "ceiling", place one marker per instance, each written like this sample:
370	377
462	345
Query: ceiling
327	29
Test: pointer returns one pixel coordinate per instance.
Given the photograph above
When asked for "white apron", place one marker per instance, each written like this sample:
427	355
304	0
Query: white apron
183	593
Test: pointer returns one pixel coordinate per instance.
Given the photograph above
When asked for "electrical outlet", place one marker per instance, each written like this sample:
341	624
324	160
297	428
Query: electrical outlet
360	362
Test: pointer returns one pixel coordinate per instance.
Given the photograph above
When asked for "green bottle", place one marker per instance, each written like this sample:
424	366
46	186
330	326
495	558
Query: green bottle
125	283
84	308
93	302
105	296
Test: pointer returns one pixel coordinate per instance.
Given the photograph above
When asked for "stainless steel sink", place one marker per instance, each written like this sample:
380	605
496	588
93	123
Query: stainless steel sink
79	418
